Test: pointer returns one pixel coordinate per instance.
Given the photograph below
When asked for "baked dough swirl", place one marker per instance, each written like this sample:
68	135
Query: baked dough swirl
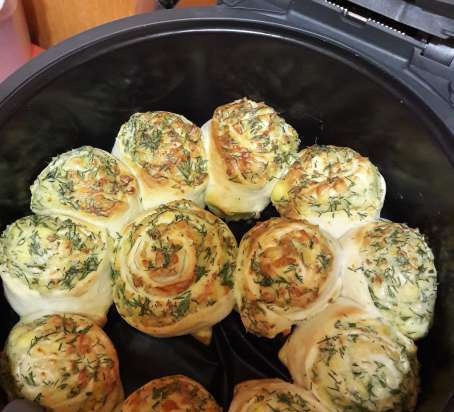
173	271
352	360
287	270
334	187
389	266
166	153
272	395
52	264
249	146
89	184
63	362
175	393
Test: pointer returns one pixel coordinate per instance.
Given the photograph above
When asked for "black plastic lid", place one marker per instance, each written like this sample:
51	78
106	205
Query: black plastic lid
435	17
430	17
441	7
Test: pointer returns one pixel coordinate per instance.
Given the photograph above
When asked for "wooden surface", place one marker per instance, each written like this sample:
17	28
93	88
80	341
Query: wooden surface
51	21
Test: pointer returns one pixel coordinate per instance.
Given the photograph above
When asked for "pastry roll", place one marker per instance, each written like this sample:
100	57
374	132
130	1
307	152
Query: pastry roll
175	393
64	363
52	264
352	360
287	270
89	184
249	147
273	395
166	153
173	271
334	187
390	266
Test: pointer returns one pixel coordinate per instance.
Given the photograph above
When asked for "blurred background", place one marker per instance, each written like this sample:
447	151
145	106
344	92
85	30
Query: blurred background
29	26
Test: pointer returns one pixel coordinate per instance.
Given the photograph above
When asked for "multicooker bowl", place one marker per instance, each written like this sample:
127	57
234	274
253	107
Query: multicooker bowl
334	83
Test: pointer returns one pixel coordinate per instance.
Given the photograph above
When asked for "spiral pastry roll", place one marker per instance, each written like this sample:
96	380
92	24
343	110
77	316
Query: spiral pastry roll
166	153
175	393
286	271
333	187
249	147
173	271
89	184
353	361
65	363
52	264
273	395
389	266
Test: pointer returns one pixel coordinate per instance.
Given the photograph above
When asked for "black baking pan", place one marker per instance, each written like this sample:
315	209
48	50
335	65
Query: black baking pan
337	76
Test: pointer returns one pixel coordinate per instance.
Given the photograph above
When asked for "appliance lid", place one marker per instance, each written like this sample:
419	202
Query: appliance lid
388	25
412	62
434	17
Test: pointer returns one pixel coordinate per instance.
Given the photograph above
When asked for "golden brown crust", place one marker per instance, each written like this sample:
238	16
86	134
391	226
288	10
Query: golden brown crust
65	363
166	153
286	271
332	186
246	135
175	393
90	184
353	360
173	270
272	395
249	146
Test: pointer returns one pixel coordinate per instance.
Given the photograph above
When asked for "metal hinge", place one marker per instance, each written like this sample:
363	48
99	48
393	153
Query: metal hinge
362	18
432	61
434	64
411	14
347	13
440	53
356	16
